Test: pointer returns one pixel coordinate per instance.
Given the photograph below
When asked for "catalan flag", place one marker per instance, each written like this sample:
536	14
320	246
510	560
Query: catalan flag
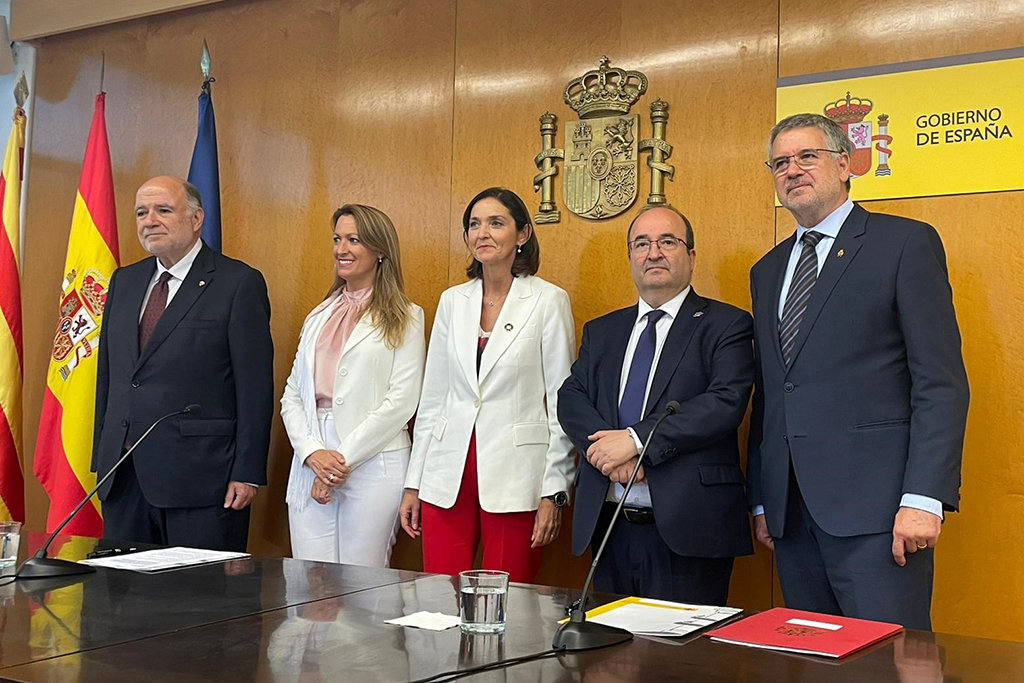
64	448
12	483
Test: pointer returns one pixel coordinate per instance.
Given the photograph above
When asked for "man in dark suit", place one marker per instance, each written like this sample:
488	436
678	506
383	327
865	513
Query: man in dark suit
186	326
861	394
685	520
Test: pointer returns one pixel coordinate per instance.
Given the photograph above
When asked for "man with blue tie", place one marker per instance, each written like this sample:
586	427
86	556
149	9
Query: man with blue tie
685	519
861	395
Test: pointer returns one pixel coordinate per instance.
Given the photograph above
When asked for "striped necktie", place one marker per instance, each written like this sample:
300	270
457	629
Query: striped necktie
804	277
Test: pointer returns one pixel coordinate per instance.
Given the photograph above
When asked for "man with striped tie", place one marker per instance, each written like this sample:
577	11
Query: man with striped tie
860	398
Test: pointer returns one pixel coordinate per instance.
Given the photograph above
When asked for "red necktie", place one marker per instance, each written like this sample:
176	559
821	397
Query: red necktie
154	309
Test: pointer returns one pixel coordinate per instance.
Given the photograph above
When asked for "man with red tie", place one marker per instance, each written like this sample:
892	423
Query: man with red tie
186	326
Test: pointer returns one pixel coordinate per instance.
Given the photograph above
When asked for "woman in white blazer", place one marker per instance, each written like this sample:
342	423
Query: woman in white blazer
354	386
490	462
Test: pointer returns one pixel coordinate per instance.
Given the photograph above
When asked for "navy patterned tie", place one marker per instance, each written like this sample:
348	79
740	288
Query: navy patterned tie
631	407
804	277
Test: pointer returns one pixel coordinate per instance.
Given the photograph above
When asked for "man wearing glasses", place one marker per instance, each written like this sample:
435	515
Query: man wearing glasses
685	519
861	395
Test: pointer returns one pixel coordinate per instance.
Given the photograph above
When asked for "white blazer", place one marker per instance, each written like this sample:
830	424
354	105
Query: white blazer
522	452
375	395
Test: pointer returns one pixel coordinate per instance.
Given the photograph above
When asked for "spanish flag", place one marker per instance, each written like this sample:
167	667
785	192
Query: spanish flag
12	483
64	448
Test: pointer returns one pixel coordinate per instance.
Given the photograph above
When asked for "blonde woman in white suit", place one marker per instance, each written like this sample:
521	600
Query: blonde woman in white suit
490	463
354	386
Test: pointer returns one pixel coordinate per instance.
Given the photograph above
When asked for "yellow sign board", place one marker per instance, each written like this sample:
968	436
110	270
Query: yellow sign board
950	129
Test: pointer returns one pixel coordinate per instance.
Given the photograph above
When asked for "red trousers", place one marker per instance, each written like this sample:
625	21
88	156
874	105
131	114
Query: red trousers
451	536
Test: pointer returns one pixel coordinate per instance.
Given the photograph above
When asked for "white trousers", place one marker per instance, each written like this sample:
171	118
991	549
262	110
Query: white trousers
360	524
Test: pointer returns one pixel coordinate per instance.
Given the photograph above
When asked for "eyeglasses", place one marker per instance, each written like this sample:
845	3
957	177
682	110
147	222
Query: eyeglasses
642	245
805	159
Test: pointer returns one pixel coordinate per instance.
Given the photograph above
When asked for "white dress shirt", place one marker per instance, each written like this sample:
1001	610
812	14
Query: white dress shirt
178	273
640	494
829	228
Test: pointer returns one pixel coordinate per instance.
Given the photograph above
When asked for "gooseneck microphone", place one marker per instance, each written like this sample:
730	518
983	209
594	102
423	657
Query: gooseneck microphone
39	565
578	633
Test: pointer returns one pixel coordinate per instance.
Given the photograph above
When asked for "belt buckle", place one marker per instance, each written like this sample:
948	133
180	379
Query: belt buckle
638	515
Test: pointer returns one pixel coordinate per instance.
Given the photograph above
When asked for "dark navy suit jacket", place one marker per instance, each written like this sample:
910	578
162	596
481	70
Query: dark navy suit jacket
692	466
212	346
874	402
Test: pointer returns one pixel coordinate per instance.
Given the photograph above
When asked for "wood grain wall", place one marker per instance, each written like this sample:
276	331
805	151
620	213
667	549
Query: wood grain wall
415	105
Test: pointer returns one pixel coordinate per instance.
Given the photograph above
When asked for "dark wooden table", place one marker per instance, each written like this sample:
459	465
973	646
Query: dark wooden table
286	621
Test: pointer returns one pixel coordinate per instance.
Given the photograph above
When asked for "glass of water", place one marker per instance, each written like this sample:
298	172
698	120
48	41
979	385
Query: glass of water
482	597
10	538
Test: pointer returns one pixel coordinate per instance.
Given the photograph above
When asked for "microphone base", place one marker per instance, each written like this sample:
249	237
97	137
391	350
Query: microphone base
49	567
573	636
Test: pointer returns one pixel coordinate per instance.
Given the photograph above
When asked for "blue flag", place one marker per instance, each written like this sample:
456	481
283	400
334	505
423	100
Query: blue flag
204	172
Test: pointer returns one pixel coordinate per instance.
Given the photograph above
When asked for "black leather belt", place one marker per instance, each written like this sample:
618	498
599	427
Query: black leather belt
638	515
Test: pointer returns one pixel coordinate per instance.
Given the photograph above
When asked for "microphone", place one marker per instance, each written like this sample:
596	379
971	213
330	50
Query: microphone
578	633
39	565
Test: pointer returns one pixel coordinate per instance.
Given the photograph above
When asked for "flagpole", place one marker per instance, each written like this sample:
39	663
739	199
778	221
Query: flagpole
204	169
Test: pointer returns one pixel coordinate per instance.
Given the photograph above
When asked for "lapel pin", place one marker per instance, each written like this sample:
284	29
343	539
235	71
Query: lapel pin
840	253
202	283
698	314
508	327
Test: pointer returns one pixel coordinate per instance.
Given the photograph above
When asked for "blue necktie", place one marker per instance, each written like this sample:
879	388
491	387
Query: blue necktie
631	407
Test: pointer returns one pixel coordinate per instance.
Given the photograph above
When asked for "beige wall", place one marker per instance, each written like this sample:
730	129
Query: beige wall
416	105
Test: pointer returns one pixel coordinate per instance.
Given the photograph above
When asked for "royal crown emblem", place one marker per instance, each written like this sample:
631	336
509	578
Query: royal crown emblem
850	113
602	149
605	91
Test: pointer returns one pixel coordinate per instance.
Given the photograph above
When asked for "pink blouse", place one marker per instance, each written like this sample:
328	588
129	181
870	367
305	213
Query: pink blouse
331	342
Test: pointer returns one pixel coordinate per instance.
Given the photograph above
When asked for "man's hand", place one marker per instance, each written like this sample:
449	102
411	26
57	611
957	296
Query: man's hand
913	530
761	532
620	475
610	449
329	467
239	495
546	524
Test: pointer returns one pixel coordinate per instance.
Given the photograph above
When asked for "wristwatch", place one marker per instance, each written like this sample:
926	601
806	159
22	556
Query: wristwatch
560	499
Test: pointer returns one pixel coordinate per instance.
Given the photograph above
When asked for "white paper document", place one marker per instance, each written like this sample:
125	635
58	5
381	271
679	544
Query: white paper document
648	617
432	621
163	558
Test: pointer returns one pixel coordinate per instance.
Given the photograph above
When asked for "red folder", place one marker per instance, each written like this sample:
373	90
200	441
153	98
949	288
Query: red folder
809	633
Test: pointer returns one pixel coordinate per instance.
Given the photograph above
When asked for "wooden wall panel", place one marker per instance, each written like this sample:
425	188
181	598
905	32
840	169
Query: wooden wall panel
306	122
33	19
414	106
826	36
713	63
979	587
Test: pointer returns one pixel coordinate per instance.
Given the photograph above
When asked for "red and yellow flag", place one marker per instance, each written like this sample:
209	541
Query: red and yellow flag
12	483
64	447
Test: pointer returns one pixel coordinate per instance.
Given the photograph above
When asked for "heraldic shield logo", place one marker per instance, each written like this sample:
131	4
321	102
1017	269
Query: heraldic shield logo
601	155
601	166
81	310
850	113
601	160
